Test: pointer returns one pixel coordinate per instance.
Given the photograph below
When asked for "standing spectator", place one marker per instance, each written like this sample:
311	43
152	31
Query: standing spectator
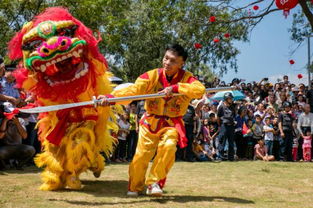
226	116
295	143
8	85
272	102
307	145
305	123
241	143
123	131
261	111
309	96
285	128
257	129
190	126
250	140
132	137
268	135
278	143
213	130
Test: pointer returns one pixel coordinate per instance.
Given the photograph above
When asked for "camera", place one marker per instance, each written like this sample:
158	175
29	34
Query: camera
265	79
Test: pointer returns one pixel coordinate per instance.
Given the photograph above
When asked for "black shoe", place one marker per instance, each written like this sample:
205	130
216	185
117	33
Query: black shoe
191	160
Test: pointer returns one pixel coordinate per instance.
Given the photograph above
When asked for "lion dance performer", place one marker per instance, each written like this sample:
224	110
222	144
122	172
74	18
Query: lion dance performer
161	127
62	64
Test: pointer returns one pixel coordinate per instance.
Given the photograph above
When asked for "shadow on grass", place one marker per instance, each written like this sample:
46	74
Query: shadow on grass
118	189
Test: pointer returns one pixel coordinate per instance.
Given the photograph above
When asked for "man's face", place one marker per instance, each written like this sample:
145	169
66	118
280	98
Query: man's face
261	107
307	108
172	63
9	77
229	100
287	109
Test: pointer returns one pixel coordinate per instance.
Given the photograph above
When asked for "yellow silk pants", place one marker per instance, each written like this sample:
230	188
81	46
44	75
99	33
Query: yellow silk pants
163	144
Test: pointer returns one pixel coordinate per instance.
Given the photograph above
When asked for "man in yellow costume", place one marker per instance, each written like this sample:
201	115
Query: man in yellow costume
161	127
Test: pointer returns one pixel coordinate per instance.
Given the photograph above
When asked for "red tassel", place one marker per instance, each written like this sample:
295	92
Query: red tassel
286	13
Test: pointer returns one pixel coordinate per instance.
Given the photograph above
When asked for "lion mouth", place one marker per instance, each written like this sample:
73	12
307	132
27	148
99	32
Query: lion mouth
67	75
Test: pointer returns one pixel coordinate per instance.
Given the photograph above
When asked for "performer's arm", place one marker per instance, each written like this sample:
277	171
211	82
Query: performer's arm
141	86
193	88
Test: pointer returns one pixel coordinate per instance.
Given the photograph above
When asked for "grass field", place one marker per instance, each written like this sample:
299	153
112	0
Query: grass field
237	184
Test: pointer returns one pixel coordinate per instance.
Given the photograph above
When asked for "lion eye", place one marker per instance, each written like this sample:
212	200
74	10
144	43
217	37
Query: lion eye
31	45
69	32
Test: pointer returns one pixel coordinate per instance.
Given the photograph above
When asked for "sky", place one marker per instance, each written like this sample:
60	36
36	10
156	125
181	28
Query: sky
268	52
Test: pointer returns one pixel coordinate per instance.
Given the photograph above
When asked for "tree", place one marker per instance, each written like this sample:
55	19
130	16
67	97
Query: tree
136	32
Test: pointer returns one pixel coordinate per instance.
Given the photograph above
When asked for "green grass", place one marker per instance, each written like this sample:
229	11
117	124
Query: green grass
237	184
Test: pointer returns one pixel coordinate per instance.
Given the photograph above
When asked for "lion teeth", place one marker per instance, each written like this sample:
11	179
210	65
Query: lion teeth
76	54
43	68
64	57
48	64
58	60
53	62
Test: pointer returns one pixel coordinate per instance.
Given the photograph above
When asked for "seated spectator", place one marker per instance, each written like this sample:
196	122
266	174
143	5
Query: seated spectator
11	134
261	152
200	153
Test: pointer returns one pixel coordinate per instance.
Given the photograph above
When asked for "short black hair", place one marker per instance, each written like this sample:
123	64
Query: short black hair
179	50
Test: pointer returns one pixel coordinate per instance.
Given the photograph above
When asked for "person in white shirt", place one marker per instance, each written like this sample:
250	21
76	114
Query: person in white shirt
268	135
123	131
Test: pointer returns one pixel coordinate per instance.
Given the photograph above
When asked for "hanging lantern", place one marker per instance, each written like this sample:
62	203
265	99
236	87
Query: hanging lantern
227	35
216	40
212	19
300	76
291	62
197	45
255	7
286	5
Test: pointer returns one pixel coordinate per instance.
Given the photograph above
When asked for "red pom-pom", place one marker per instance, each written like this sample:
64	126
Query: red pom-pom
227	35
216	40
197	45
300	76
256	7
291	61
212	19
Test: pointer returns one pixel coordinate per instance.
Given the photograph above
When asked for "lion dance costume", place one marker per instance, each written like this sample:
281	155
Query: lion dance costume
62	64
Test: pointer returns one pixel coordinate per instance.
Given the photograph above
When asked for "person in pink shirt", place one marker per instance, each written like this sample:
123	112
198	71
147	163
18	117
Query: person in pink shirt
260	152
307	145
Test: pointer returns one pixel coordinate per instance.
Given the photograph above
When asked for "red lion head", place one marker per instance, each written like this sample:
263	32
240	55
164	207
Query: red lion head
60	55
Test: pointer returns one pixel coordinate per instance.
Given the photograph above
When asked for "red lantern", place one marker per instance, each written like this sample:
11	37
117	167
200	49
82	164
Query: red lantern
216	40
227	35
291	61
212	19
286	5
300	76
197	46
256	7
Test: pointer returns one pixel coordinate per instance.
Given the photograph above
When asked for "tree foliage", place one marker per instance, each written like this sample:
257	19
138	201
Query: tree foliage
135	33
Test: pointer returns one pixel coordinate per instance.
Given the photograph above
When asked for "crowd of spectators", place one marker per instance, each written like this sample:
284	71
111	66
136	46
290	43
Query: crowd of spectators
272	122
18	137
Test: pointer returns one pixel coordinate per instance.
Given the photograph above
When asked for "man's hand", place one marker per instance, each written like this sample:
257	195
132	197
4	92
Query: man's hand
168	91
282	135
104	101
